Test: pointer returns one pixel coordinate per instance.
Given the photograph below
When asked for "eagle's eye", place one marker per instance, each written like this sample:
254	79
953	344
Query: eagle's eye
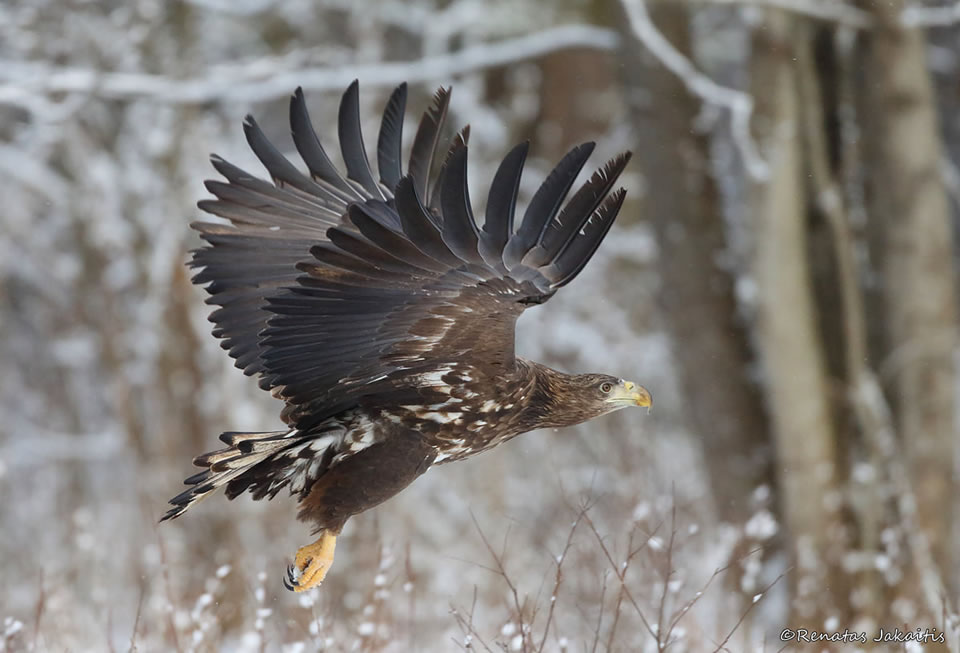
605	388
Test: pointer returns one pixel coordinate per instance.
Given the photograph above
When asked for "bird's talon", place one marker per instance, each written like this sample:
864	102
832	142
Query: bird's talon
290	580
311	564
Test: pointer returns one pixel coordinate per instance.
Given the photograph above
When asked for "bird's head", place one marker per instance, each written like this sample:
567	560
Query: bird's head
576	398
614	393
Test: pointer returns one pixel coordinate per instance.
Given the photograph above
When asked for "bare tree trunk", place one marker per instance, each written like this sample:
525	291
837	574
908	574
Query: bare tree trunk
790	343
912	231
569	112
696	294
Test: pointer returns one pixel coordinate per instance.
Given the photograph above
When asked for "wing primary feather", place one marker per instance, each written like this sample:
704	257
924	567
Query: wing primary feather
462	137
321	193
239	176
286	208
417	225
332	255
367	219
351	141
459	228
382	212
562	229
268	217
311	151
578	253
545	204
425	141
362	248
501	204
280	169
390	139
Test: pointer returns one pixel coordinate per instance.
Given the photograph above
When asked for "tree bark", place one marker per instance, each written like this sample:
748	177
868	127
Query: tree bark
790	344
913	239
711	348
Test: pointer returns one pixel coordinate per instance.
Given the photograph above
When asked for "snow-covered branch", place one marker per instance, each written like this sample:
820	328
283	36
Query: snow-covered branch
254	82
842	13
832	11
739	104
16	165
919	16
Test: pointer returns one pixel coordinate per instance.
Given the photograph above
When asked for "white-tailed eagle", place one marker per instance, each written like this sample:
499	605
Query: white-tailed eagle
383	314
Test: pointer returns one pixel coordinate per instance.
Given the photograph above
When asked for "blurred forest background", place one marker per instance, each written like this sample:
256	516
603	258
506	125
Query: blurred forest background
782	278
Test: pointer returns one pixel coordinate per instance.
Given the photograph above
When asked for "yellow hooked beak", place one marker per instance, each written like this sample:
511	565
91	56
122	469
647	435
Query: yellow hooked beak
627	393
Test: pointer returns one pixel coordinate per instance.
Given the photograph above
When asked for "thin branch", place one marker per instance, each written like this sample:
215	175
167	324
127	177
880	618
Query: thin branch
692	601
621	573
596	630
756	599
136	620
167	586
738	103
39	610
253	82
611	636
667	573
466	625
502	571
558	579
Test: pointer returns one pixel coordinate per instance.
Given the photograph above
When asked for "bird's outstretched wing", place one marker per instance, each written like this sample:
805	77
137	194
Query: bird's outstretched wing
341	290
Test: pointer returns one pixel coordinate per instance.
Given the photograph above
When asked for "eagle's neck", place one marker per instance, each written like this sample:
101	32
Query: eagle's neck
554	400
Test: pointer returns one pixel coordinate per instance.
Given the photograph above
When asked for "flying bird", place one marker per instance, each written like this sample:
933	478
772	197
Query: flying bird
383	314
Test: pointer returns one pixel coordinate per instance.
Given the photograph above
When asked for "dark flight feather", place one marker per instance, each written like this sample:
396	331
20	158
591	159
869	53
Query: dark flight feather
390	138
426	139
362	248
501	204
351	141
367	218
578	253
281	170
562	229
311	151
459	230
545	204
418	226
462	138
299	208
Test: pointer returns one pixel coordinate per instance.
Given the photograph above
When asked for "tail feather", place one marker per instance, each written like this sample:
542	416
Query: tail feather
261	462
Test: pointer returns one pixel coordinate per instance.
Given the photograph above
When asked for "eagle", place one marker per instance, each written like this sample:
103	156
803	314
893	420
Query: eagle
383	314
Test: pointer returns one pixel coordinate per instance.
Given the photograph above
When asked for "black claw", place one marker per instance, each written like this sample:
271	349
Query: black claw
290	581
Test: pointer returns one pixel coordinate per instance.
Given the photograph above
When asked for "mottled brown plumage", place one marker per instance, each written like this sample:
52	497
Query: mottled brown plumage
384	315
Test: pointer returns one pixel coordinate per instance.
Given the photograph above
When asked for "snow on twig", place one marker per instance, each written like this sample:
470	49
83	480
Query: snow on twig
254	82
739	104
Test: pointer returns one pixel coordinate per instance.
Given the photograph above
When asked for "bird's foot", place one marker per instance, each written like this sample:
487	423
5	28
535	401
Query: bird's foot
311	564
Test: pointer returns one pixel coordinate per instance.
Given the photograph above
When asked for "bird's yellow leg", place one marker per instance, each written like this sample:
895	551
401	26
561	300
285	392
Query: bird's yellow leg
311	564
